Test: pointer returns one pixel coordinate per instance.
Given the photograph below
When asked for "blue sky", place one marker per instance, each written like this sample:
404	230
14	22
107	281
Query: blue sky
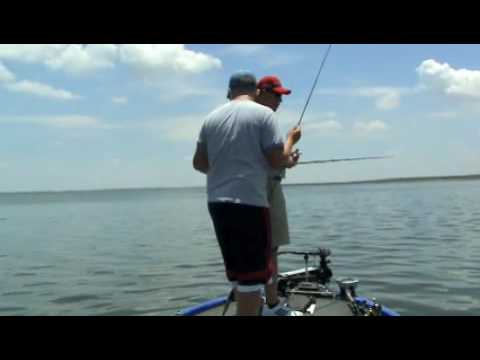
120	116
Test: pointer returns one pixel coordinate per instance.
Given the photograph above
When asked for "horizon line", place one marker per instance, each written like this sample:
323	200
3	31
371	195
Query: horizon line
369	181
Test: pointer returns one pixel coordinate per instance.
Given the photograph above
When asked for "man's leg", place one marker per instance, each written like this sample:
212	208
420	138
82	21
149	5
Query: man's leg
271	287
280	235
255	260
243	233
248	303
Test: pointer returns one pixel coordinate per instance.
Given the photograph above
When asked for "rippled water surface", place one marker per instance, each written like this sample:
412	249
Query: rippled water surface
414	246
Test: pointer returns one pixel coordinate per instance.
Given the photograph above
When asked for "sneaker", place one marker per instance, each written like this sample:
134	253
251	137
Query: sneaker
280	310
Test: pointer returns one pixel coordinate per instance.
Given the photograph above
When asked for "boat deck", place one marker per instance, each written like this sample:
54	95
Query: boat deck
323	307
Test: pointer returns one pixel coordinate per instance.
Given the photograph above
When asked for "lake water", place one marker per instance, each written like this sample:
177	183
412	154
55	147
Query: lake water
415	246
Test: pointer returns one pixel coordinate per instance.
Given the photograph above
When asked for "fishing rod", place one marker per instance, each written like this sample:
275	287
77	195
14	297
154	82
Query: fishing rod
303	113
314	84
344	159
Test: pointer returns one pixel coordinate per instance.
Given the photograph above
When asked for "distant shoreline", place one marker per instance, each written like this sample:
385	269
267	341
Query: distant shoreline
395	180
373	181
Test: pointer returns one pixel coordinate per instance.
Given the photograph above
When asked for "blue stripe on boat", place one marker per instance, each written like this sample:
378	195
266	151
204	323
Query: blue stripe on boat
197	309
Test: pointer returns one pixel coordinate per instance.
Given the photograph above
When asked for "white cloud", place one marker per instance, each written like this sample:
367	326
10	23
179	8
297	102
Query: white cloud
286	114
329	114
276	60
178	91
82	59
365	128
166	57
5	74
39	89
386	98
71	121
86	58
443	115
268	56
30	53
441	77
184	128
119	99
323	127
69	58
59	121
322	123
244	49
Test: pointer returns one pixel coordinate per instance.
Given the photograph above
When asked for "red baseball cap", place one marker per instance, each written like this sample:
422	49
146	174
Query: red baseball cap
273	84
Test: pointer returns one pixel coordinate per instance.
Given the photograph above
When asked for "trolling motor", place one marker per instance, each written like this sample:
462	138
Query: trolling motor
325	273
312	283
313	280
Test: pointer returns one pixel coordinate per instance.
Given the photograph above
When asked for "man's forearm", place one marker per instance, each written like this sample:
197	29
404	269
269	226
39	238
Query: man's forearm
287	148
287	151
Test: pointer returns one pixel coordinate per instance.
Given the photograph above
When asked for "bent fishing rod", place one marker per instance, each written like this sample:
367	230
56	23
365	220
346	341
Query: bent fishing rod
314	84
303	113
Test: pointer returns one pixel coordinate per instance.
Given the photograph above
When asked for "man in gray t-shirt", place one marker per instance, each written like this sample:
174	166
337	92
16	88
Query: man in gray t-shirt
237	145
239	134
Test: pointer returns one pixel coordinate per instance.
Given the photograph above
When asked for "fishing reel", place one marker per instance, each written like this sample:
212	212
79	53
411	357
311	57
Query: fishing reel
372	308
375	309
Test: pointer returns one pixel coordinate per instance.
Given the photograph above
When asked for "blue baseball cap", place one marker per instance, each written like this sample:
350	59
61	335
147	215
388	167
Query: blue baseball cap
242	80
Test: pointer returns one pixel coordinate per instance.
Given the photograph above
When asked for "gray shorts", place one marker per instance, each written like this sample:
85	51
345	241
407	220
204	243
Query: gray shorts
278	214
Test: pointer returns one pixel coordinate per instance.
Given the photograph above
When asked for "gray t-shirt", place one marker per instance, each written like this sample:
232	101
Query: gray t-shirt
236	136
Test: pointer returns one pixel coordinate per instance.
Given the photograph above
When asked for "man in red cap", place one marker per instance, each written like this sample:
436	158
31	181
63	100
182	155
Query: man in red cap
270	92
